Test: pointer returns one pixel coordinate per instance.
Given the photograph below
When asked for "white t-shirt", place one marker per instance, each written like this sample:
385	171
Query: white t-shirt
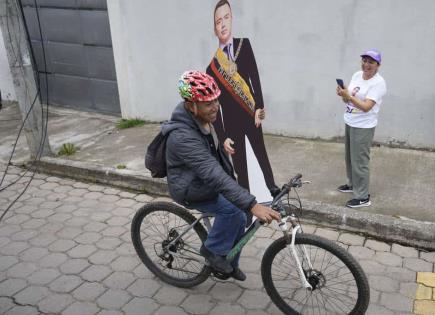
373	89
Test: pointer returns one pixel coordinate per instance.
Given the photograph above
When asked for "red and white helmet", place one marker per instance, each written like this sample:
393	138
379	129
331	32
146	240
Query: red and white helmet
197	86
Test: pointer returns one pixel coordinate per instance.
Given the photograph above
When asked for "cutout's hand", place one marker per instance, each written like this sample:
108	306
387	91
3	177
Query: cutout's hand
260	114
228	146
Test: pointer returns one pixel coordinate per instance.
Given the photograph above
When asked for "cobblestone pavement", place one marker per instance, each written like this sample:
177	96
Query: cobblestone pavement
65	248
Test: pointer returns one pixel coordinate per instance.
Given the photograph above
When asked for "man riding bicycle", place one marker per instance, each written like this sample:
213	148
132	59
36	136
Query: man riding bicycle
200	174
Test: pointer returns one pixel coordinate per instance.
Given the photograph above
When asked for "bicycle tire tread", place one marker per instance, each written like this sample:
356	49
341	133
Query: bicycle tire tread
339	252
137	242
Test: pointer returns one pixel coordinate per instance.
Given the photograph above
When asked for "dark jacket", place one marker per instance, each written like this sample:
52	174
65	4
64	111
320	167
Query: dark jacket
194	174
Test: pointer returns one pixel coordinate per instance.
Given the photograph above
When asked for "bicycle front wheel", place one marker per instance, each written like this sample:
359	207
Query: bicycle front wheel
154	229
339	283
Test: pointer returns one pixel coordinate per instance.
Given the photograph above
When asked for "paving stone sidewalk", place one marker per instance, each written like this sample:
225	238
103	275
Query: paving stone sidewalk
65	248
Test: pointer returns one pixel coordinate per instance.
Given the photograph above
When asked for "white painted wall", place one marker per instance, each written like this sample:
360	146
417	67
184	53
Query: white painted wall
6	83
300	48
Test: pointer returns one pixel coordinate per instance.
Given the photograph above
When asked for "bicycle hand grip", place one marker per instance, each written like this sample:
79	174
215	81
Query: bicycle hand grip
297	176
296	180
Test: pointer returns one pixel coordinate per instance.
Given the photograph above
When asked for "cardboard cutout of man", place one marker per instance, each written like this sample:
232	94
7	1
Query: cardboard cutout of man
242	109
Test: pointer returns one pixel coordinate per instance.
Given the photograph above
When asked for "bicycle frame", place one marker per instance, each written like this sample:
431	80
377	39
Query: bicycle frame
296	228
245	239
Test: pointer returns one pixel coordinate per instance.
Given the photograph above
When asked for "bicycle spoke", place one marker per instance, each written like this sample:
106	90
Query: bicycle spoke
161	228
335	289
336	302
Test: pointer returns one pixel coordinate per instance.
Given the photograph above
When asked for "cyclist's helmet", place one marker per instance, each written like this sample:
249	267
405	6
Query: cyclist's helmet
197	86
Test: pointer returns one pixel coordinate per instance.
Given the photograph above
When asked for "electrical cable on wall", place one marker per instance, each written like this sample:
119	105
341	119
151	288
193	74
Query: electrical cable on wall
13	150
21	67
43	123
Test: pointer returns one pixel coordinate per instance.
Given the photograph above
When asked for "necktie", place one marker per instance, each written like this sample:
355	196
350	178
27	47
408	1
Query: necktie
227	52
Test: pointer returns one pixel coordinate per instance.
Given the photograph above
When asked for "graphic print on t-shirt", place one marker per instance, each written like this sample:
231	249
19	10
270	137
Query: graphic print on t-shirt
349	106
373	89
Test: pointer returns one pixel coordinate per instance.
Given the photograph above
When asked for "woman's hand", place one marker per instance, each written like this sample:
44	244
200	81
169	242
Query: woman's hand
260	114
344	93
227	146
364	105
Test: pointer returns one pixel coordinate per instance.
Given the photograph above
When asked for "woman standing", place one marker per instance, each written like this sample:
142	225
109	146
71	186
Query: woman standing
362	98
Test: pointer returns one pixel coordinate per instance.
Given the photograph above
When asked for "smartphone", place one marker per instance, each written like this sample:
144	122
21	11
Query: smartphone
340	83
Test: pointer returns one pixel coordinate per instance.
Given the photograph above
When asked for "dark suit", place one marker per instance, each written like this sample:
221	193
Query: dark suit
238	122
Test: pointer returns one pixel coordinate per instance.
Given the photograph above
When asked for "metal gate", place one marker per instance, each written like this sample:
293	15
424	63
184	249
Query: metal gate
78	52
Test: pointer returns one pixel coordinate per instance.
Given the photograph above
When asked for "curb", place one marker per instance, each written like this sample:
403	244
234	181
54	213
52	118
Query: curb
407	232
387	228
88	172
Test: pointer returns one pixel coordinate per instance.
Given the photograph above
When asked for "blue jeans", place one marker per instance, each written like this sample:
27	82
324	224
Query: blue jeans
228	227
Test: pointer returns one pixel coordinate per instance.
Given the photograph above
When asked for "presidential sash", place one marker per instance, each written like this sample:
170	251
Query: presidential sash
226	72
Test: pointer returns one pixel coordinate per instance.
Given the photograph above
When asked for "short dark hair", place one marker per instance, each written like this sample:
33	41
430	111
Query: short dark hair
218	5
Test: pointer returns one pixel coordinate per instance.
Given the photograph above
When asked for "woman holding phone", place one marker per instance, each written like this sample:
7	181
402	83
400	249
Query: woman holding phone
362	99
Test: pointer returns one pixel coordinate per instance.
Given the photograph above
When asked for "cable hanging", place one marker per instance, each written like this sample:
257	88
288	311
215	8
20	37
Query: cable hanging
43	123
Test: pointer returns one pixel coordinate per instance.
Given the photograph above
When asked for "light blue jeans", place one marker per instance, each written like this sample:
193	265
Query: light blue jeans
228	227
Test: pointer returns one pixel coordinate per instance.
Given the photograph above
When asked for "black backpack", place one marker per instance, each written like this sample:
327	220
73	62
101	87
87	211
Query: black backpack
155	157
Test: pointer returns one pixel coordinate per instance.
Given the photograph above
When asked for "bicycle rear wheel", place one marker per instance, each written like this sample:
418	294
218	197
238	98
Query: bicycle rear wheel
339	283
153	227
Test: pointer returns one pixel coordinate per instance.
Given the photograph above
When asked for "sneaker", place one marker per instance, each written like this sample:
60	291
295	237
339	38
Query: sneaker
238	274
217	262
357	203
345	188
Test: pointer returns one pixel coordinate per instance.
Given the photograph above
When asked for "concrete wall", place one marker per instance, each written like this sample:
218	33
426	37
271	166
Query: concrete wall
6	84
300	48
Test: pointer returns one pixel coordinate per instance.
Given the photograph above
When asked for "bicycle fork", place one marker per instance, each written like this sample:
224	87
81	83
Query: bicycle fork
295	228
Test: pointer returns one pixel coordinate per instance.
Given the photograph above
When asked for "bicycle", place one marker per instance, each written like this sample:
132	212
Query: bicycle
301	273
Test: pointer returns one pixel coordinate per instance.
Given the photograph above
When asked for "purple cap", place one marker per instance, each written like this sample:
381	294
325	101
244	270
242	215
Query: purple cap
373	53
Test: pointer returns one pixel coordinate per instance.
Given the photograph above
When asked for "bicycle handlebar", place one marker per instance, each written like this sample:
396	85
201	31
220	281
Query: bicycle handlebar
294	182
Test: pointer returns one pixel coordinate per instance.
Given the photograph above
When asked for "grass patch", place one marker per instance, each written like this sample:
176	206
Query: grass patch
121	166
67	149
128	123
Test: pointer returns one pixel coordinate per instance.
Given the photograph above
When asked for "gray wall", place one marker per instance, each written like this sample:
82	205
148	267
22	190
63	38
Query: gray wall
78	51
300	47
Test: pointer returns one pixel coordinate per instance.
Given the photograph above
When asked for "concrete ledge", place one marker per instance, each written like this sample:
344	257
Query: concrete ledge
407	232
103	175
404	231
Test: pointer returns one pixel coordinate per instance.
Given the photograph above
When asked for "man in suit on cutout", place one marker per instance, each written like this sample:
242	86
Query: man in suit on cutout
242	109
